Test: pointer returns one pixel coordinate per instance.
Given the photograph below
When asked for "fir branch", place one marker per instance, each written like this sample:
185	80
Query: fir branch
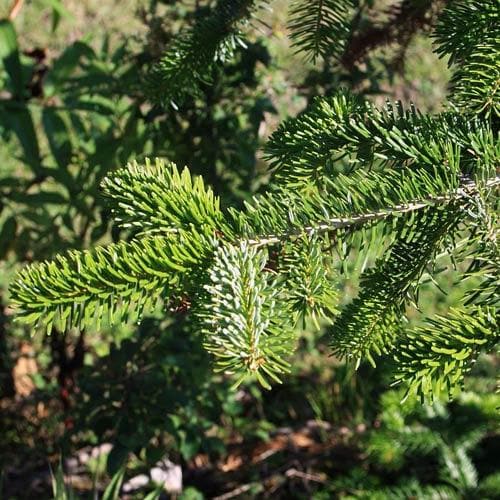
306	275
344	128
342	165
469	33
476	83
370	324
246	326
320	27
408	490
190	59
465	24
349	201
117	282
159	199
435	358
483	250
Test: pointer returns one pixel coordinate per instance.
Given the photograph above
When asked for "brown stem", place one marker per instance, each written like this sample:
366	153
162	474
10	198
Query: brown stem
7	387
328	225
67	365
14	10
407	20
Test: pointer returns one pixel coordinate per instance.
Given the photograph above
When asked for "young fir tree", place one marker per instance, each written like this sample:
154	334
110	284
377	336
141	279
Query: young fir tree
349	178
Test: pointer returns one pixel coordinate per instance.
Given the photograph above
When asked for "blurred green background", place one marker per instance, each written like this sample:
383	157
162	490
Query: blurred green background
83	408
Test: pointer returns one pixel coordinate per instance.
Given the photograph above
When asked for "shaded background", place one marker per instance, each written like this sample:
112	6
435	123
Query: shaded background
143	399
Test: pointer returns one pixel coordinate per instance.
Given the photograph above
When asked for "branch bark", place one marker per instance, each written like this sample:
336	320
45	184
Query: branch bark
467	190
406	20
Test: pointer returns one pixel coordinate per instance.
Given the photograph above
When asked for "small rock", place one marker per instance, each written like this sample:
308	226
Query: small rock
361	428
319	424
135	483
168	474
83	456
72	464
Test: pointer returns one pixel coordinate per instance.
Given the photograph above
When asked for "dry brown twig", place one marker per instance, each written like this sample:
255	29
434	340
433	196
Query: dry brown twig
14	10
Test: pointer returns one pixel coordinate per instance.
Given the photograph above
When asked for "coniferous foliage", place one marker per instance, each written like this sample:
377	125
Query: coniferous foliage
189	60
426	183
340	32
320	27
469	32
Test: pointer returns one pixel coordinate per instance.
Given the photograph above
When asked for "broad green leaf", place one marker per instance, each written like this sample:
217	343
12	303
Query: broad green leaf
21	123
58	136
39	199
58	12
7	235
112	492
97	104
65	66
9	54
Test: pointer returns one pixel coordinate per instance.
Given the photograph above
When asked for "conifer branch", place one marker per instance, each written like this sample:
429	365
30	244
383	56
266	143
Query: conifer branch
308	278
159	199
336	223
189	60
117	282
344	129
245	326
370	324
320	27
469	33
476	83
463	25
340	166
434	359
